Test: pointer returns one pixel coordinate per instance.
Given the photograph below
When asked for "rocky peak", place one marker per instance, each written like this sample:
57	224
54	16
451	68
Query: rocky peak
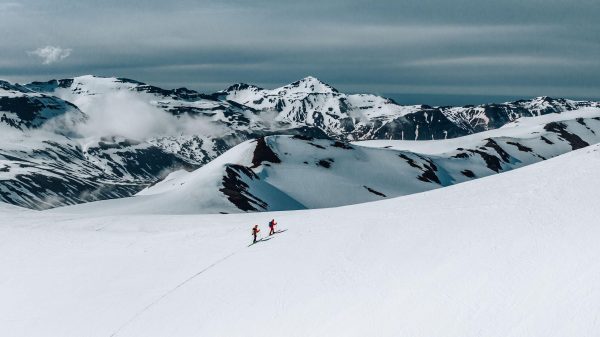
311	85
242	87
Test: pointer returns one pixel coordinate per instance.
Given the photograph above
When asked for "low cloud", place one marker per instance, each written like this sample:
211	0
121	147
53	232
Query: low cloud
128	115
51	54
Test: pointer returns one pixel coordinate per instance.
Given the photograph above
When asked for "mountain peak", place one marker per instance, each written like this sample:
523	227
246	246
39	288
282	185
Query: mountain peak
242	87
547	100
311	79
311	84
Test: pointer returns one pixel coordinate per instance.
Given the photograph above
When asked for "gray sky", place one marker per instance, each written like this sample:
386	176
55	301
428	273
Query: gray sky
423	48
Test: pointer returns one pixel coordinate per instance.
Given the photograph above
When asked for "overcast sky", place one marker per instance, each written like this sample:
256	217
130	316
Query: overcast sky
415	48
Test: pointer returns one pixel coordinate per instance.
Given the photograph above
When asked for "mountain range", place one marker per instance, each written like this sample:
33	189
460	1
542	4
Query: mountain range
90	138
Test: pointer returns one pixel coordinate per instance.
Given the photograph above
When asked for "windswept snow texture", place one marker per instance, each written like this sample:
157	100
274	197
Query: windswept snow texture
514	254
91	138
290	172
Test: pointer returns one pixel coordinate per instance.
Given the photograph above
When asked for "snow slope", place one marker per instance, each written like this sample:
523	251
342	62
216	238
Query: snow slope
285	173
514	254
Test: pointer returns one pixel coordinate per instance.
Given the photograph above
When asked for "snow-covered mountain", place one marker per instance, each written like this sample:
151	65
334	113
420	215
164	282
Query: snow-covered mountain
197	126
345	117
293	172
514	254
42	170
492	116
22	108
244	109
91	138
52	154
45	162
362	117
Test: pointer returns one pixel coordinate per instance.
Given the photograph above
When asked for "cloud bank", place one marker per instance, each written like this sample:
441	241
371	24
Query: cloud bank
517	47
128	115
51	54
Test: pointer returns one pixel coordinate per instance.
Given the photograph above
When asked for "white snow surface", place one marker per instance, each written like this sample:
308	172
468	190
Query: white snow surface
514	254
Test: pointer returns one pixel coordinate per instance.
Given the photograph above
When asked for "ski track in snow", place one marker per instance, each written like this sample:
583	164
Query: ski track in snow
141	312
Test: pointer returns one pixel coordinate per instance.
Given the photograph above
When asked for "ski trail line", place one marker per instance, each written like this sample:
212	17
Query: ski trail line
139	313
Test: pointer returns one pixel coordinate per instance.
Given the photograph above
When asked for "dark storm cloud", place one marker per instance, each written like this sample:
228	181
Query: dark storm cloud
519	48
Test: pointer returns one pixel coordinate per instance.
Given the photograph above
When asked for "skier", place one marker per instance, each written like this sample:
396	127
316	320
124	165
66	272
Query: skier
255	231
272	225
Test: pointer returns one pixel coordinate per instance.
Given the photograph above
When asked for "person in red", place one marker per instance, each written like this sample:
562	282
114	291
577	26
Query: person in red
255	231
272	225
